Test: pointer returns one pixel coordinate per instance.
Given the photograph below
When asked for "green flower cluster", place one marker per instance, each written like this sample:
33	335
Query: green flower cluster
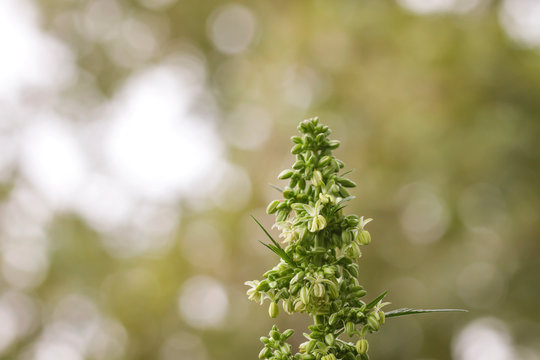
318	271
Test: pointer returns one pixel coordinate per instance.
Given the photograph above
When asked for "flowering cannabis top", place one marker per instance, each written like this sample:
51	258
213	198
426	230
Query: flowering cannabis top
318	270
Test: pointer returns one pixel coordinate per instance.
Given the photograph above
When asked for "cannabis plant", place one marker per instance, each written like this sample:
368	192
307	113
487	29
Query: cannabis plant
318	271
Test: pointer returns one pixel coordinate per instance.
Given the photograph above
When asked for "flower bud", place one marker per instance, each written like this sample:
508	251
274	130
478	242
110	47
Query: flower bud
324	161
265	353
329	339
304	295
350	328
373	322
299	306
307	357
273	310
346	236
288	306
296	139
319	290
353	269
382	317
287	334
362	346
285	174
345	182
333	318
264	340
272	207
333	291
333	144
288	193
317	179
353	251
295	288
296	149
364	238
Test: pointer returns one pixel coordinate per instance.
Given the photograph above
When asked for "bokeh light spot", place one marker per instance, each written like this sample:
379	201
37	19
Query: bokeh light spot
203	302
232	28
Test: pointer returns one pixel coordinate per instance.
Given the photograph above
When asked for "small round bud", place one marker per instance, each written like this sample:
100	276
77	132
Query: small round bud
373	322
285	174
350	328
304	295
317	179
364	237
324	161
296	149
333	144
265	353
382	317
299	164
329	339
319	290
333	291
329	357
273	310
346	182
272	207
288	306
299	306
362	346
287	334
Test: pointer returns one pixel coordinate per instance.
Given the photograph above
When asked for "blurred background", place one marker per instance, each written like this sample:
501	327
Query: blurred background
136	138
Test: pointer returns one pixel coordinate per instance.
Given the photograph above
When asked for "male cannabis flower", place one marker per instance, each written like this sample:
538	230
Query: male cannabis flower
318	270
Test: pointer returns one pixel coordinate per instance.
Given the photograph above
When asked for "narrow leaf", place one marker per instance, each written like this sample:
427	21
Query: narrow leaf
350	197
276	247
337	209
275	187
376	301
405	311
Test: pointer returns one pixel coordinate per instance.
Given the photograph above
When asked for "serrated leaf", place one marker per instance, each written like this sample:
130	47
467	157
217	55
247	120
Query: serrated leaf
406	311
376	301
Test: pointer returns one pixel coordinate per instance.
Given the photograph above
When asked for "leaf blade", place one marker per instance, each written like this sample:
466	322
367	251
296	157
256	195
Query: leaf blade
407	311
374	302
275	247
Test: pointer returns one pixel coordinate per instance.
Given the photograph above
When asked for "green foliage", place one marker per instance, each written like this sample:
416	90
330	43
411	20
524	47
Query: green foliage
318	271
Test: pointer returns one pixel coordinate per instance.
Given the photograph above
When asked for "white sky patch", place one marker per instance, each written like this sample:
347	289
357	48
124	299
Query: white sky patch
30	57
52	159
521	20
483	339
155	144
439	6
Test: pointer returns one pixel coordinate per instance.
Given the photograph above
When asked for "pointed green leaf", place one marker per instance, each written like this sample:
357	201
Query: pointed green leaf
405	311
276	247
374	302
348	198
275	187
